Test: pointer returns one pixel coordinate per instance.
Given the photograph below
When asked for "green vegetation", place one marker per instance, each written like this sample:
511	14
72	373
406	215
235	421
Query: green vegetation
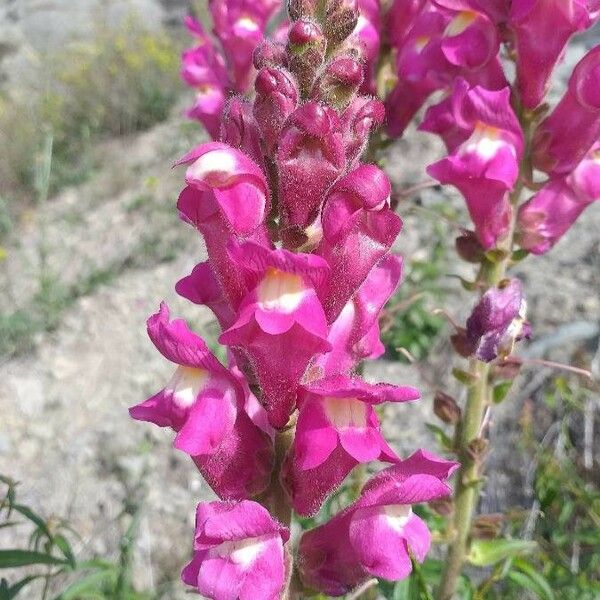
120	81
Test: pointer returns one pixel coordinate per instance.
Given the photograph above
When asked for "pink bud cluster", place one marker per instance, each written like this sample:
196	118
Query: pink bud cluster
298	233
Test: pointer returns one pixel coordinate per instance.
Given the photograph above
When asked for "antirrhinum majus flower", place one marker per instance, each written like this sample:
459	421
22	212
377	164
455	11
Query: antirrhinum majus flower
485	144
540	31
565	136
238	552
498	321
337	430
551	212
375	536
206	405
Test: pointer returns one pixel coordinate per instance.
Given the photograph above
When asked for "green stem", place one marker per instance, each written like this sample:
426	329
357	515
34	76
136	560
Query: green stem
468	430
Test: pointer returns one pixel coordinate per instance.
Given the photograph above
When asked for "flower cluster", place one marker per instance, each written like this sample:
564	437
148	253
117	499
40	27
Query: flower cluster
298	233
500	137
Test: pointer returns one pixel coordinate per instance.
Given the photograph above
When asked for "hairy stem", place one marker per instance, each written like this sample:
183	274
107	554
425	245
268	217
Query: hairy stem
468	430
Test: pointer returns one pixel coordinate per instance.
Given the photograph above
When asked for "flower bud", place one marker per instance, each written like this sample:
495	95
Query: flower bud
239	128
276	98
341	18
306	51
360	118
446	408
498	321
269	54
477	449
468	247
300	9
340	82
487	527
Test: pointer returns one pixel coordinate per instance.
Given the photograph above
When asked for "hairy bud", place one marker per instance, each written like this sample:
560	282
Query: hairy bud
446	408
341	17
306	51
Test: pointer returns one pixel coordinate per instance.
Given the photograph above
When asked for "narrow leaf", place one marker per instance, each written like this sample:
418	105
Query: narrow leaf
10	559
488	552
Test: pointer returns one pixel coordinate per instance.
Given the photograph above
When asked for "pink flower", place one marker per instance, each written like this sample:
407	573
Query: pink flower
445	42
400	19
201	286
227	197
498	321
373	536
280	323
205	404
238	552
354	335
337	429
485	142
240	26
203	69
310	158
235	181
546	217
562	139
470	39
366	36
358	230
541	30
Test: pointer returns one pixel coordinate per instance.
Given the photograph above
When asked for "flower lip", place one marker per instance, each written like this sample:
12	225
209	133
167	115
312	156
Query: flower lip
280	291
460	22
397	515
185	385
215	169
345	412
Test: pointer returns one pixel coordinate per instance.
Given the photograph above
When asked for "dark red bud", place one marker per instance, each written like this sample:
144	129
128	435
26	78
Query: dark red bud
487	526
446	408
468	247
477	449
461	343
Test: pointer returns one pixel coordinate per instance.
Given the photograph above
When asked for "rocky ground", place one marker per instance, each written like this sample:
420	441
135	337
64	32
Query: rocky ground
65	433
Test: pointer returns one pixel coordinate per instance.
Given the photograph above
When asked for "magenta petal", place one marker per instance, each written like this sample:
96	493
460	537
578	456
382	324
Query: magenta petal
379	546
363	444
155	410
219	578
417	536
208	422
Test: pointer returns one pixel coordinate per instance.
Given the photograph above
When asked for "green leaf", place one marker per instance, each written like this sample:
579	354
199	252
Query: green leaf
501	390
530	579
519	255
464	377
484	553
34	518
64	546
13	590
442	438
10	559
94	583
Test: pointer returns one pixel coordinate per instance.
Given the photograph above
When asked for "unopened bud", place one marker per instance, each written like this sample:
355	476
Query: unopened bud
340	82
306	51
300	9
443	507
446	408
487	526
468	247
461	343
477	449
341	17
269	54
